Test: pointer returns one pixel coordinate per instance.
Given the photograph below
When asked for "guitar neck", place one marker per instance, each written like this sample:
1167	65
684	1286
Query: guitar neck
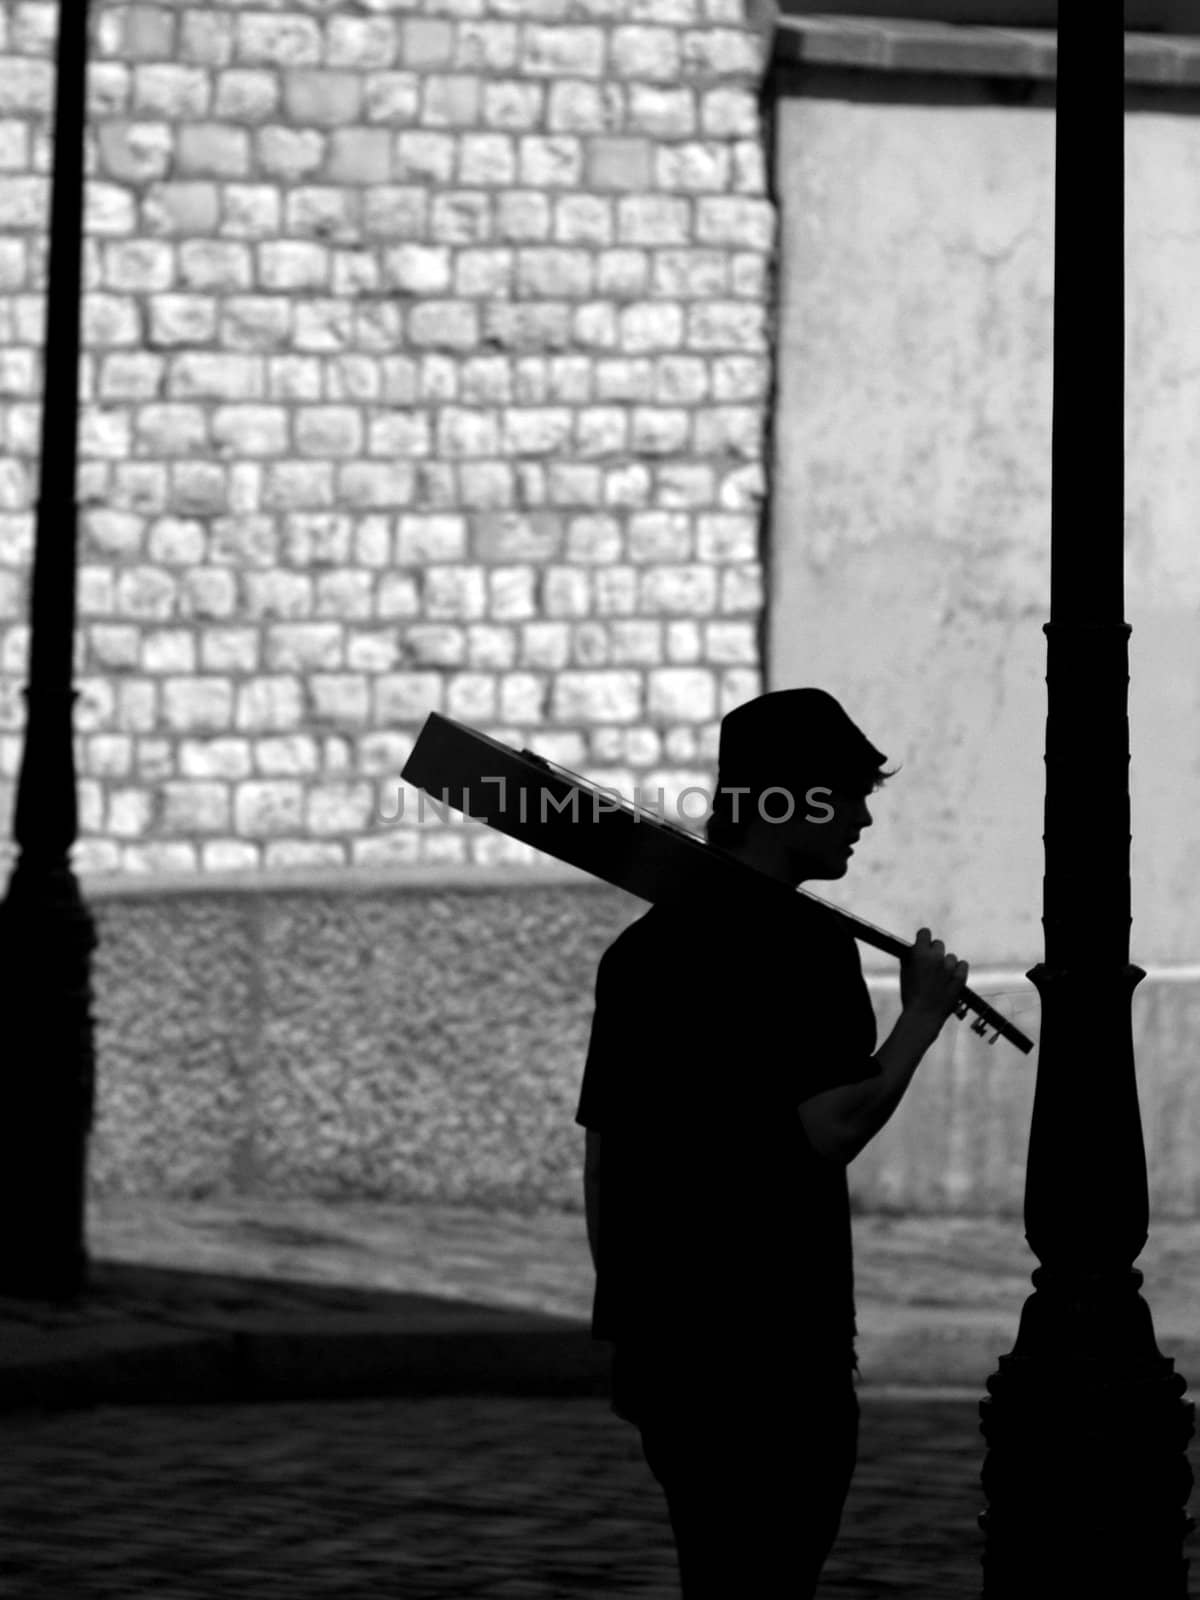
864	932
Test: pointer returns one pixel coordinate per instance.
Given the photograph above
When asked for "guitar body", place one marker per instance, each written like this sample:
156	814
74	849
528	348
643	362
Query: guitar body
526	797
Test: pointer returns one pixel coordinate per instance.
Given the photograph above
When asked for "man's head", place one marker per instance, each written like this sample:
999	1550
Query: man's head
794	773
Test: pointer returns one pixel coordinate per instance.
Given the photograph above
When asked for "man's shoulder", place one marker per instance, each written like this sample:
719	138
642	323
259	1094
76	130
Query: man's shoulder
728	934
626	944
654	931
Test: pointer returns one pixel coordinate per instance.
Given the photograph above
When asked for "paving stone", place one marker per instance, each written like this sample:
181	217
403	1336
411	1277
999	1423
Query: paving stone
426	1498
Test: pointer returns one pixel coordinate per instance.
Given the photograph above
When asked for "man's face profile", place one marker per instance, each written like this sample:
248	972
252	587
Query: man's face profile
806	773
820	836
800	831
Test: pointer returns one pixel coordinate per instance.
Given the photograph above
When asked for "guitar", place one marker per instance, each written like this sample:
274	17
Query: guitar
561	814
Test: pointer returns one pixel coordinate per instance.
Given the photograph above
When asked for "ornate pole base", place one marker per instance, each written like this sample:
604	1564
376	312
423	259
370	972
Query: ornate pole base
1086	1472
46	940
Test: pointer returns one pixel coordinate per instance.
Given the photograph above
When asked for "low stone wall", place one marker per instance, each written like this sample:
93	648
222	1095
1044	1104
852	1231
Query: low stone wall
424	1039
410	1042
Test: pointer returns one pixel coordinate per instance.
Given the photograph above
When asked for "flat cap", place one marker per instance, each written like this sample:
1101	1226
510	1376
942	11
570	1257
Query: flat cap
793	733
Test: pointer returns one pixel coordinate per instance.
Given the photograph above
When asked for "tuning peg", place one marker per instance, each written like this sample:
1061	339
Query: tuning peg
979	1026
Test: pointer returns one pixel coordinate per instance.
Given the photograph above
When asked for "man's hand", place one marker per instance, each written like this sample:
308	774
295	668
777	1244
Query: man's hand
930	980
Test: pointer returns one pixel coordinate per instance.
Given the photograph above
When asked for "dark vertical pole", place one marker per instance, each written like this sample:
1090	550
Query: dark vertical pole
1086	1473
46	934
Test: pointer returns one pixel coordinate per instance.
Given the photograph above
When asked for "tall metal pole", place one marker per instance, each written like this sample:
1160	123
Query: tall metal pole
1086	1473
46	933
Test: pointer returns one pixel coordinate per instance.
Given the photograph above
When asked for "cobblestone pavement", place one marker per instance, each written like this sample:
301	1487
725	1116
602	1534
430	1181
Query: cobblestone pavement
434	1497
430	1498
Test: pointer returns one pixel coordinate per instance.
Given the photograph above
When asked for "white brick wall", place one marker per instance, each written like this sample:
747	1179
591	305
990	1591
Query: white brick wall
426	362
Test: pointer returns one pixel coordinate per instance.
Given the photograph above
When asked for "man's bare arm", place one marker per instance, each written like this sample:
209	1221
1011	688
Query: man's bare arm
841	1121
591	1190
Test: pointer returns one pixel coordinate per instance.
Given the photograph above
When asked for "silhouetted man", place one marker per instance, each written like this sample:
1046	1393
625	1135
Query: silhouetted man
732	1075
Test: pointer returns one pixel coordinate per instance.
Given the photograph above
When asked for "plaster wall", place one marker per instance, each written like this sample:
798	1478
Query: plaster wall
911	491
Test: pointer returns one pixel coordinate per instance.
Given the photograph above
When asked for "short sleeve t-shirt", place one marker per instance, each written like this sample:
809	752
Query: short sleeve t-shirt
720	1227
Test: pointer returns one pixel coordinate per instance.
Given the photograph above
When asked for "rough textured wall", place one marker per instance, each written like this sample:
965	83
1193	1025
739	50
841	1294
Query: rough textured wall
425	1043
407	1045
426	364
912	490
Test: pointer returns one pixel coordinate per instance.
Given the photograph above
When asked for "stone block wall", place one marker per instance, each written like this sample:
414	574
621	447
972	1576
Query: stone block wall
426	368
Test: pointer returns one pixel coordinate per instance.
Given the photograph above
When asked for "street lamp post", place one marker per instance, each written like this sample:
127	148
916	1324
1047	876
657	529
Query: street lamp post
46	933
1086	1473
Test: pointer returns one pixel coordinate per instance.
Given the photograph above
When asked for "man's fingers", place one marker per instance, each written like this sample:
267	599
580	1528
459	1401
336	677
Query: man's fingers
936	959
